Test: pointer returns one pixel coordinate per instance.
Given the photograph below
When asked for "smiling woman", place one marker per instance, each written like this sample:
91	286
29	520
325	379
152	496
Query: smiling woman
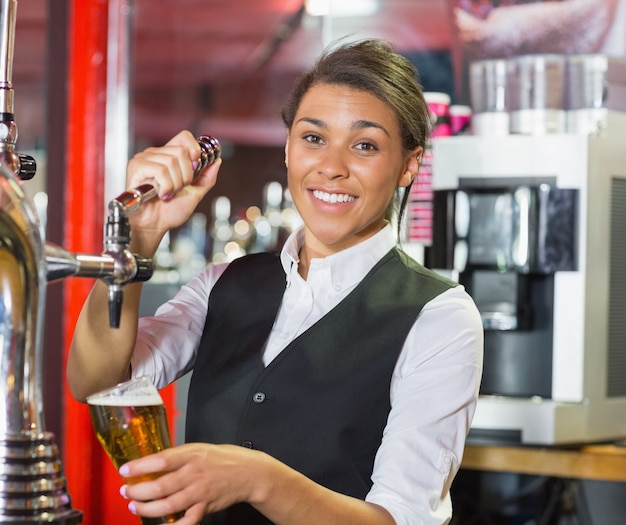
401	109
333	382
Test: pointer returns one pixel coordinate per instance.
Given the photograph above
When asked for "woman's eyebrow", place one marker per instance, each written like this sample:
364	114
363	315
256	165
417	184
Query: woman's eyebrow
358	124
316	122
361	124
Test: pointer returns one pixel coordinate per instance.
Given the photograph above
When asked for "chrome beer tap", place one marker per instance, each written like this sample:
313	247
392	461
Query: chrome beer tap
117	266
33	487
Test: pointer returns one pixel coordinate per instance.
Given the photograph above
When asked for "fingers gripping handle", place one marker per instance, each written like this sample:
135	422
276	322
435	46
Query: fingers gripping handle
117	237
130	200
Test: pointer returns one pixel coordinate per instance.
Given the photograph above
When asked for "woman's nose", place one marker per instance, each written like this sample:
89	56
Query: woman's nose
333	164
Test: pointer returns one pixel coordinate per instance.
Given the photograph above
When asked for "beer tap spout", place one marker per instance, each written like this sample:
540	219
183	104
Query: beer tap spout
116	267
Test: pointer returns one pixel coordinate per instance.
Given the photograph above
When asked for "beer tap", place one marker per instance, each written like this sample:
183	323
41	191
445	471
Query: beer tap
33	489
117	266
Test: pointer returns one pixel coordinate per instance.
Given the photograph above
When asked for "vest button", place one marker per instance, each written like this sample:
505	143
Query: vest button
247	444
259	397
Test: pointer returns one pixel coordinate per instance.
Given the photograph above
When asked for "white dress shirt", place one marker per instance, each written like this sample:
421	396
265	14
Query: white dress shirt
435	382
615	42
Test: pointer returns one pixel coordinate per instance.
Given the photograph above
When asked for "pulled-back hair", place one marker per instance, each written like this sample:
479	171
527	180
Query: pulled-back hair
375	67
372	66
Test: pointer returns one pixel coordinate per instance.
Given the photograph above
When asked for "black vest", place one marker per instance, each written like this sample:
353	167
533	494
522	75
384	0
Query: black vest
322	404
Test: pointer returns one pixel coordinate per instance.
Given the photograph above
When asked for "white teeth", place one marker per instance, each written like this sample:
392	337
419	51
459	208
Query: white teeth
333	197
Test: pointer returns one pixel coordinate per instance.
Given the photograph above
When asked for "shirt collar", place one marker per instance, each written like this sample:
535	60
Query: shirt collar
348	266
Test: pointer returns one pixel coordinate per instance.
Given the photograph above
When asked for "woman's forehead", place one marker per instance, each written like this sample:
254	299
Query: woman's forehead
336	99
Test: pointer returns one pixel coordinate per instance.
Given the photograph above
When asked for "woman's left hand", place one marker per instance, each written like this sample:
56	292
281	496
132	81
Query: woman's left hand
198	478
201	479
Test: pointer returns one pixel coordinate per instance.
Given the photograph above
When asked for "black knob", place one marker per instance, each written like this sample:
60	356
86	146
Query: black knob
28	167
145	269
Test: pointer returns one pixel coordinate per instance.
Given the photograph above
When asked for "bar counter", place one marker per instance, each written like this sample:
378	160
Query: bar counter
604	462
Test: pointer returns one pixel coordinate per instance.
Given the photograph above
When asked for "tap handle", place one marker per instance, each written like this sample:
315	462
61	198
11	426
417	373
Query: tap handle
210	151
28	167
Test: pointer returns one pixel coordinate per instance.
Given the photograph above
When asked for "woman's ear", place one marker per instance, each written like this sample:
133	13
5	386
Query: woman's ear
406	179
411	166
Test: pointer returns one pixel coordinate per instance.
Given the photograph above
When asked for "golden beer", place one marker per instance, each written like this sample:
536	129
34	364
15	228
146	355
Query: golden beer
130	422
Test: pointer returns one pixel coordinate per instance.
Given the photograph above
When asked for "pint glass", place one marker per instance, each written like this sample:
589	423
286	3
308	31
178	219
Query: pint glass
130	422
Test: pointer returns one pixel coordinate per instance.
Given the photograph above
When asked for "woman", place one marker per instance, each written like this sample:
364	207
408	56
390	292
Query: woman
334	382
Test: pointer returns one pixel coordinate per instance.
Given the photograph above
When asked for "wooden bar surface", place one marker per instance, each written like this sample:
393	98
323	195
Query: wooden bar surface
597	462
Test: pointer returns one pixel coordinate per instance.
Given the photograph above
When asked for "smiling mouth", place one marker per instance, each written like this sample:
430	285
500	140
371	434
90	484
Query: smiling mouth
333	198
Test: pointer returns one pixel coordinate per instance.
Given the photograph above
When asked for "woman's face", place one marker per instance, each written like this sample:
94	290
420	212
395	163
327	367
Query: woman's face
345	160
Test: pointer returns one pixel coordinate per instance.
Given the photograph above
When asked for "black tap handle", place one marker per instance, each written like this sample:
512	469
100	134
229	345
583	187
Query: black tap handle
28	167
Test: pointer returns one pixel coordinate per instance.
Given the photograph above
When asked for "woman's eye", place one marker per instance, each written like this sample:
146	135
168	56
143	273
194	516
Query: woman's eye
366	146
313	139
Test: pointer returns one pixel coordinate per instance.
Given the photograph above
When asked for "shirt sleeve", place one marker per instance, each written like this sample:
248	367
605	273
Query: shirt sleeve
167	343
434	391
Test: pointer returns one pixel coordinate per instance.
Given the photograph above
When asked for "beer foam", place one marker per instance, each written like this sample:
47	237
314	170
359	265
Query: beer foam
139	391
127	400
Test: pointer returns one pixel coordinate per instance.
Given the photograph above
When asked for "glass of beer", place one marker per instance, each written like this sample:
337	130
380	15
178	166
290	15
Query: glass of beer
130	422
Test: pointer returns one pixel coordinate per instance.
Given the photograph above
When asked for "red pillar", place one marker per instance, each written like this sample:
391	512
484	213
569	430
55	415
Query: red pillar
93	482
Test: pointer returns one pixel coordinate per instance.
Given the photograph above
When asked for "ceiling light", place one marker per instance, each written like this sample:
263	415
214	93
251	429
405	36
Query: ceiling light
341	8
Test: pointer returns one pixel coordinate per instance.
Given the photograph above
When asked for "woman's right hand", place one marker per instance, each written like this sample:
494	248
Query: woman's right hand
169	168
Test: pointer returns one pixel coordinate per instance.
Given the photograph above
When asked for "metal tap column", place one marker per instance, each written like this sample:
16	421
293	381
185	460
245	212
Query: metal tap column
32	484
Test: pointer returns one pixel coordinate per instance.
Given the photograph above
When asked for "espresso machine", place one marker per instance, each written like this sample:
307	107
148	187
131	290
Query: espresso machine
534	227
